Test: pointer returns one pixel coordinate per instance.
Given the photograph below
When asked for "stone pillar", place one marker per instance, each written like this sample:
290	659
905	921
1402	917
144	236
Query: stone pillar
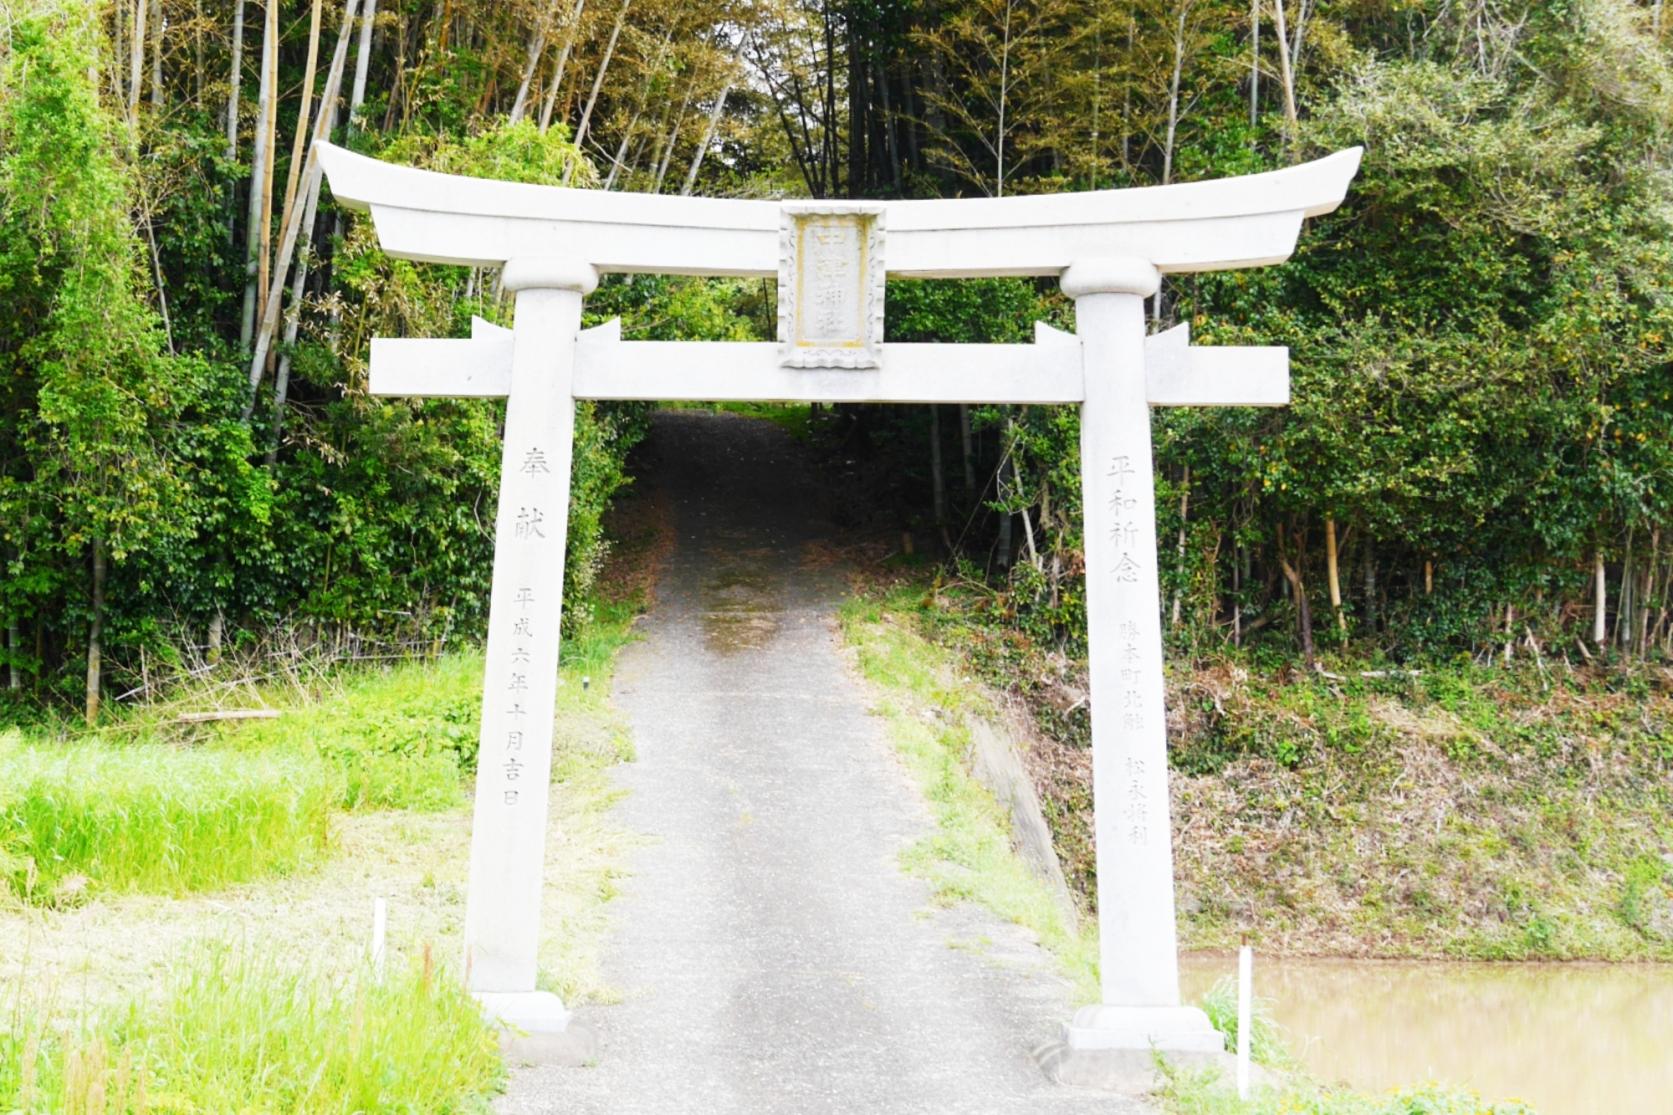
508	833
1137	952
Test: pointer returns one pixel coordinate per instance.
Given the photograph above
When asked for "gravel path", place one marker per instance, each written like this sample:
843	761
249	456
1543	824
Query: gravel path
771	955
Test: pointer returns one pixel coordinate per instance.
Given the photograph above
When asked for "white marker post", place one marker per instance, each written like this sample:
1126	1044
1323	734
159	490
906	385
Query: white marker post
380	922
832	261
1245	1016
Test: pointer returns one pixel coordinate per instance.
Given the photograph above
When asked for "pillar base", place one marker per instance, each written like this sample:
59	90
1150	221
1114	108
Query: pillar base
536	1028
1164	1029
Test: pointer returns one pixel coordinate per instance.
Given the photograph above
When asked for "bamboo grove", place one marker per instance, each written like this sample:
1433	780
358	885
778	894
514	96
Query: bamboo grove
1477	458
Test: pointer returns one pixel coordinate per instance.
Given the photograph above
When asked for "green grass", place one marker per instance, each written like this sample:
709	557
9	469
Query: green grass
1206	1092
235	1033
403	736
969	855
1266	1037
796	419
87	817
406	736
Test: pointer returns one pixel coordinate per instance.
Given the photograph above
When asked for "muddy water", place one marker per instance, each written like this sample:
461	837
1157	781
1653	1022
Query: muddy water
1593	1039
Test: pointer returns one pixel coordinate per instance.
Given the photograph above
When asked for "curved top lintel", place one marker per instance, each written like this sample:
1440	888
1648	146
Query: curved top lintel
1192	226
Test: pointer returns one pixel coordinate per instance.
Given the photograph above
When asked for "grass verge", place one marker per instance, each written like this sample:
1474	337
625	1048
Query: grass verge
926	703
86	817
235	1032
1201	1092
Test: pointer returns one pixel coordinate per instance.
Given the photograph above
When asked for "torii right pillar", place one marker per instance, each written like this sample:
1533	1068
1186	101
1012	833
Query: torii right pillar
1137	937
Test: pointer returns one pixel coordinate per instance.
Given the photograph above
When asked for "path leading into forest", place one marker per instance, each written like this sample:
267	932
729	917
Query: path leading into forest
771	954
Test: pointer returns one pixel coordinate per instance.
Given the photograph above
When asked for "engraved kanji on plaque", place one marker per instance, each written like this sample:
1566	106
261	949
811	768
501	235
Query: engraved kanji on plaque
830	285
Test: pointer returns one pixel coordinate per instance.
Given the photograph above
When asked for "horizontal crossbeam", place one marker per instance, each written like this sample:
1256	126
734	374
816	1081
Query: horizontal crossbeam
1179	375
1047	371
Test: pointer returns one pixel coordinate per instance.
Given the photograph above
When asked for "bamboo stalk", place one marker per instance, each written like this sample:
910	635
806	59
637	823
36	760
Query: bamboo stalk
288	237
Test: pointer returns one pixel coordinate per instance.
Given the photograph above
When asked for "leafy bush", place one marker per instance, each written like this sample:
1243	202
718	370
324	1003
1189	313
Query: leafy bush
403	738
154	818
235	1033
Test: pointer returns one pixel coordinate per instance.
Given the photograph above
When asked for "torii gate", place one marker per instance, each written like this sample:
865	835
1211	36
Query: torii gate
1109	247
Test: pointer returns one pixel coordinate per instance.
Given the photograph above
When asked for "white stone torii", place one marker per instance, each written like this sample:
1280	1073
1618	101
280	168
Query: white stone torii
1109	249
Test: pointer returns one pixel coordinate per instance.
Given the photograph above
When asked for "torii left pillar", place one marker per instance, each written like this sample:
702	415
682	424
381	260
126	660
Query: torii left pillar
519	691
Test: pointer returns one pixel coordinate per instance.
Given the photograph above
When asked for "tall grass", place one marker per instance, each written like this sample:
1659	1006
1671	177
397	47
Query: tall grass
81	817
404	737
1266	1037
235	1033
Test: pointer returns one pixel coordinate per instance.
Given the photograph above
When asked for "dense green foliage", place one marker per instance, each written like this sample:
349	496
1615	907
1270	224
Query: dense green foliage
137	507
235	1032
1479	336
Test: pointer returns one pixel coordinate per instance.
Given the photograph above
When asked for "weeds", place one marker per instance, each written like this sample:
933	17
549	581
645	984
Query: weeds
1205	1092
234	1032
1266	1037
85	817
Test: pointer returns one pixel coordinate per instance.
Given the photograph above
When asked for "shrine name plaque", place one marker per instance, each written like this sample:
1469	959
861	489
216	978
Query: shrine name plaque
830	286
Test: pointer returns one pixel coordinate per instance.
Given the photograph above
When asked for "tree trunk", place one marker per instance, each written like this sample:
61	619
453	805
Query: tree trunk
1237	597
1298	586
967	446
938	478
1624	607
1600	600
303	113
1333	573
1369	566
197	52
217	631
96	632
708	138
362	59
858	105
1179	549
666	154
563	61
136	62
1173	95
260	164
537	47
598	83
1428	578
891	140
1027	522
293	226
235	78
1647	602
1285	75
119	51
1254	67
157	54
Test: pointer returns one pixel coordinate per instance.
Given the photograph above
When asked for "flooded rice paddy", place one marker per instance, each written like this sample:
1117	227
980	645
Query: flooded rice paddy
1567	1039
